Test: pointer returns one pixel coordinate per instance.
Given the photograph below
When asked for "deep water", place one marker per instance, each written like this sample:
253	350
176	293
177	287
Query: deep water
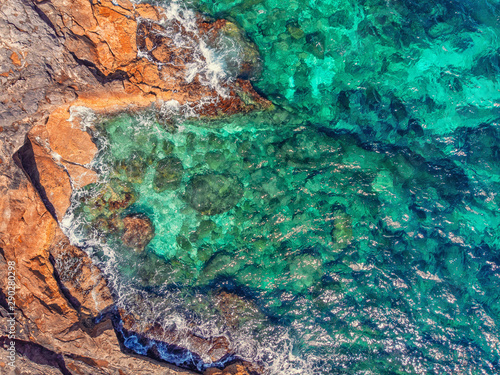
358	219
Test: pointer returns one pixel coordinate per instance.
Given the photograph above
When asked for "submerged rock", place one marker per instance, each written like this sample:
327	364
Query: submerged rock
213	194
304	270
303	148
215	159
113	197
109	225
167	147
168	175
342	230
398	109
316	44
236	310
294	30
138	231
205	229
245	63
134	166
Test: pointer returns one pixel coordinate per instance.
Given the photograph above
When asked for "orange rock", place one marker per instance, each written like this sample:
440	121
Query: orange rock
67	138
80	176
15	59
147	11
27	232
110	102
56	183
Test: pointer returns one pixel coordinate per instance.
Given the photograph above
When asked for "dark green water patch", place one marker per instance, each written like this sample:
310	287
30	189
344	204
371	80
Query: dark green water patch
168	174
213	194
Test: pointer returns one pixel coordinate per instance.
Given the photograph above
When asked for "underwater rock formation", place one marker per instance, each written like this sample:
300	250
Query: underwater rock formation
58	57
168	174
138	232
213	194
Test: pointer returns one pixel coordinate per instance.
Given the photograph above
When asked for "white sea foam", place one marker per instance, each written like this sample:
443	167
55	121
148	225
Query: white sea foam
180	112
86	115
206	63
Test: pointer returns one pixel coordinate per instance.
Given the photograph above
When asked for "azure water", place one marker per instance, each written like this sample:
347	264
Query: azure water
358	220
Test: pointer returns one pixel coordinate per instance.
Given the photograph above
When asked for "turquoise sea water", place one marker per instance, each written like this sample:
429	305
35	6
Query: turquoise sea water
358	220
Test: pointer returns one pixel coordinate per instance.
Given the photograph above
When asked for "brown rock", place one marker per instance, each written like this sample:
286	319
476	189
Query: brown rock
214	348
80	277
237	368
138	231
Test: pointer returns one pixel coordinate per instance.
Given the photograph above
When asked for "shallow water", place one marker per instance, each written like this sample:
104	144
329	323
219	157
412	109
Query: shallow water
359	219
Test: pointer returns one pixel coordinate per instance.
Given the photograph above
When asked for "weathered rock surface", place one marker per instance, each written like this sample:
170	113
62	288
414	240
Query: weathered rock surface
55	56
108	37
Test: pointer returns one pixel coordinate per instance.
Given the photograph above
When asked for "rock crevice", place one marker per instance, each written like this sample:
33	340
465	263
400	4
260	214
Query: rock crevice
25	159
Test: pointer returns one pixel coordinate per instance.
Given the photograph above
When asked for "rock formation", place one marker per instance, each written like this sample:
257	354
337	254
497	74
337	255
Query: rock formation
58	56
138	232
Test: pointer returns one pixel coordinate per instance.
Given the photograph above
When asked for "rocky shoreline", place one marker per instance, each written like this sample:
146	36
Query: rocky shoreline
108	56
